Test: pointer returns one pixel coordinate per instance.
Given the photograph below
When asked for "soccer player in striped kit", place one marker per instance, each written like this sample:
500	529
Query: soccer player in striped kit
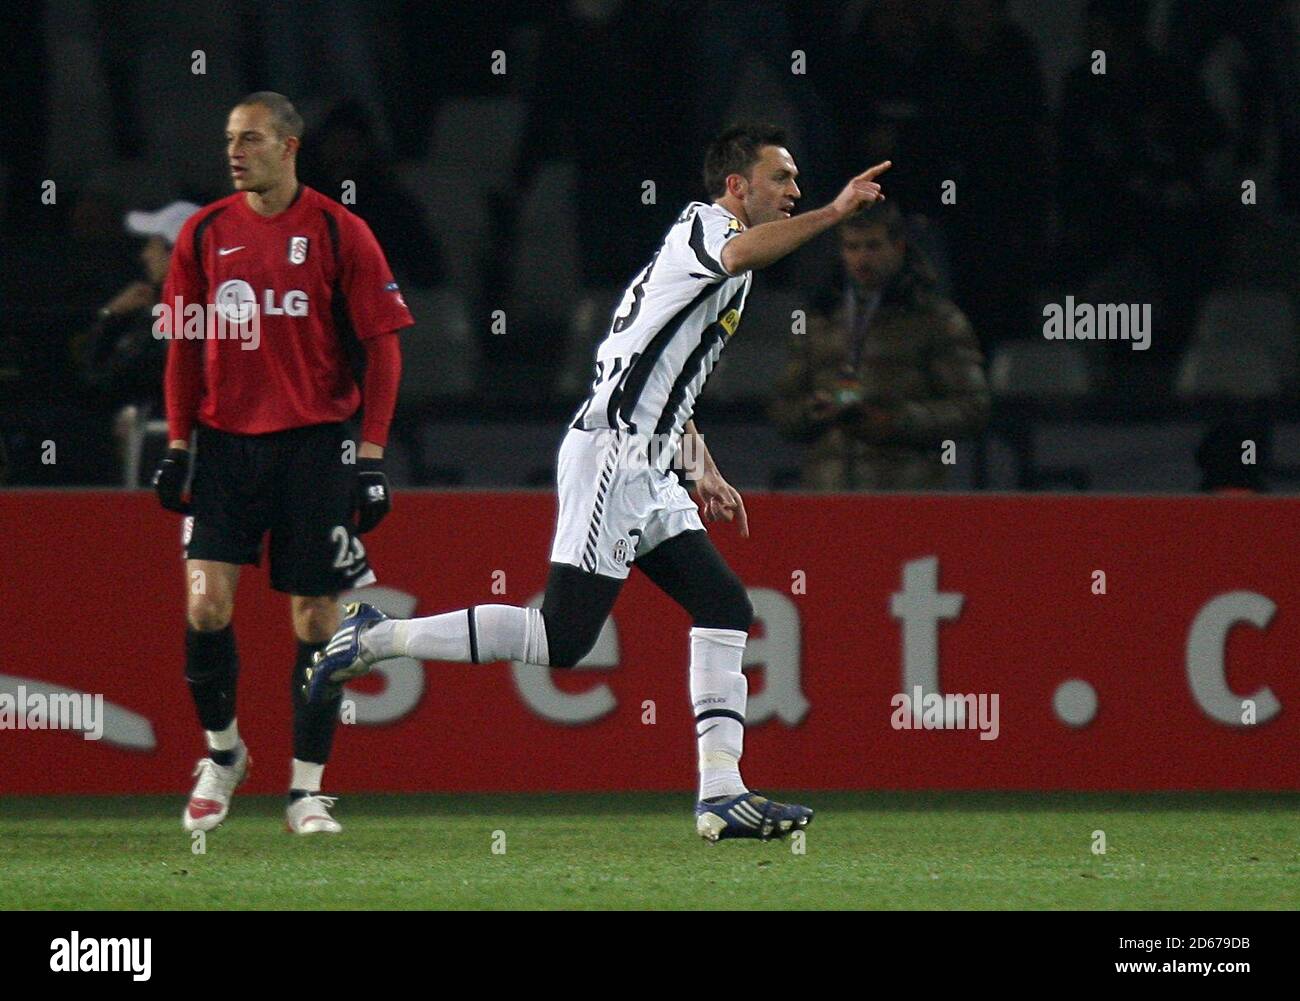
287	279
620	504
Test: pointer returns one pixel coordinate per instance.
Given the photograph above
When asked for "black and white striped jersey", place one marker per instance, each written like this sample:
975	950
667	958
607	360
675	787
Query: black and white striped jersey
668	331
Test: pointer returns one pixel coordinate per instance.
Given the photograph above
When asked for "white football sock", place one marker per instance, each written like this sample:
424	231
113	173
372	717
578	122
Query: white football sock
223	740
500	632
306	776
719	686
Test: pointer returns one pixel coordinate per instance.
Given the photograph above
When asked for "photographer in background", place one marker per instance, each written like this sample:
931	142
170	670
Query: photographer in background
886	372
118	357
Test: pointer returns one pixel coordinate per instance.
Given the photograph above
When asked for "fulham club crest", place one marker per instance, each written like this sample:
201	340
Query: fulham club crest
297	249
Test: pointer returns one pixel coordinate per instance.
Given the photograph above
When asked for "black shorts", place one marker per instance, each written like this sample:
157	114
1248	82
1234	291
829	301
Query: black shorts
293	484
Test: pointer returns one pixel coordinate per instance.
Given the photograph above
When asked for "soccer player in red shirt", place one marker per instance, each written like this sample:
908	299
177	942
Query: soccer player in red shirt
286	279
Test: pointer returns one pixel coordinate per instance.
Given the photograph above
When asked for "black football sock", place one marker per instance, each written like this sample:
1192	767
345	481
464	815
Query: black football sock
212	668
313	722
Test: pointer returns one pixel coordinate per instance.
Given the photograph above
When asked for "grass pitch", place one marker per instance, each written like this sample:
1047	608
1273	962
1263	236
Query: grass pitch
863	850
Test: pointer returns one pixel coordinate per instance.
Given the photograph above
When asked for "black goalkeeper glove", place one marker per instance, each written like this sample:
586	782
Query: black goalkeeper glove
372	498
169	480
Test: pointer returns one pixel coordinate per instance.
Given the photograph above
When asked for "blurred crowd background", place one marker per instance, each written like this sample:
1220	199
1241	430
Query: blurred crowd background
516	194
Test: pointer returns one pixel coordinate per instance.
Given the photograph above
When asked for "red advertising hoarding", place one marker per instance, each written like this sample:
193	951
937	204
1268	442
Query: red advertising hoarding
1132	643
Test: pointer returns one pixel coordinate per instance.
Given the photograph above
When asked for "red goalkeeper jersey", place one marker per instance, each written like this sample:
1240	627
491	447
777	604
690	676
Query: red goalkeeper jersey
308	273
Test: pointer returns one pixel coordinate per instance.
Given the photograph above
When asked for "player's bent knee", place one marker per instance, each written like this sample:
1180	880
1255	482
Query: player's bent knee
315	630
574	611
569	658
567	646
207	613
315	619
744	612
730	609
567	653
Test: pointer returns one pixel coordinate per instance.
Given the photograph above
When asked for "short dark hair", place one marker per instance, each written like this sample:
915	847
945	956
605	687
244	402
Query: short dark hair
885	214
735	151
284	117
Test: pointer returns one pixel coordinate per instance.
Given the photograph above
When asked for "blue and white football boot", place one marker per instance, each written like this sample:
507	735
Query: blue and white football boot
749	815
342	659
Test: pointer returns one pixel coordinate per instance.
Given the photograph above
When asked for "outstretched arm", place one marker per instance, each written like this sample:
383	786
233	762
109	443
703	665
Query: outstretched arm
767	243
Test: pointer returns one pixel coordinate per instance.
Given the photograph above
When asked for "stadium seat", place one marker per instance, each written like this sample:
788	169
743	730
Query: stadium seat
589	321
1040	369
1236	318
489	454
454	180
544	271
398	465
496	125
78	98
440	354
144	440
1027	374
458	216
1222	369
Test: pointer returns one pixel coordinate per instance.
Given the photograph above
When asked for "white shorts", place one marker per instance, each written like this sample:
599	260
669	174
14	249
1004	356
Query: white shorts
614	505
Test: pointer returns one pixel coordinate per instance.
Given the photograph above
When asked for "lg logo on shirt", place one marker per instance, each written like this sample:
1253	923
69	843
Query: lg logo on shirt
236	299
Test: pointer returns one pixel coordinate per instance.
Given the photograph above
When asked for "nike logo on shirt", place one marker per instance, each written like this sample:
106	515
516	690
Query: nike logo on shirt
229	250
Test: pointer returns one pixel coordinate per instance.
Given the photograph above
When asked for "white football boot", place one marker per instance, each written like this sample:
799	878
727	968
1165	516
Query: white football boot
311	815
210	801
